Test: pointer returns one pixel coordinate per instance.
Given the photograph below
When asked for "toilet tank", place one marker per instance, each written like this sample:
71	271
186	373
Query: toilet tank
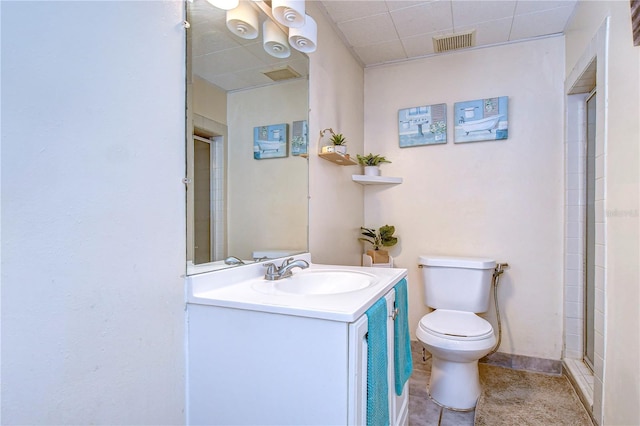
457	283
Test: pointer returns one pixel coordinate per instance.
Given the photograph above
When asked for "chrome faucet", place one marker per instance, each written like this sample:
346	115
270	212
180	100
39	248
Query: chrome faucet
284	271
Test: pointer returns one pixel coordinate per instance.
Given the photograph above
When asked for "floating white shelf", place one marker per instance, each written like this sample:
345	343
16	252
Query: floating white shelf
376	180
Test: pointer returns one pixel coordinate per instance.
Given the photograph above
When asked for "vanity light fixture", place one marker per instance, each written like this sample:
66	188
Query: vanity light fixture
243	21
224	4
274	40
287	25
290	13
304	38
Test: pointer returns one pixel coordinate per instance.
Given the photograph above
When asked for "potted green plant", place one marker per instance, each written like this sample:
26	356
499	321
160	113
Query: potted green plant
382	237
339	143
372	163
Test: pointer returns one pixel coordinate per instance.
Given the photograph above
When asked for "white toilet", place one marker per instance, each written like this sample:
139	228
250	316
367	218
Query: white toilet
457	288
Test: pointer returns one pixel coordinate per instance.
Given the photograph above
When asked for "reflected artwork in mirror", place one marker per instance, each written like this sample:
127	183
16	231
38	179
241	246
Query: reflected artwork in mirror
240	210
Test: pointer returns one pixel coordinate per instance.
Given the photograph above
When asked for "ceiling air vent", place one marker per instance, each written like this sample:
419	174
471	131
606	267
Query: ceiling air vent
454	41
282	74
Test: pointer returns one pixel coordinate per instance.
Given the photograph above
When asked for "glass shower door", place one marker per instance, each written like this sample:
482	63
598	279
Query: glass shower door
590	231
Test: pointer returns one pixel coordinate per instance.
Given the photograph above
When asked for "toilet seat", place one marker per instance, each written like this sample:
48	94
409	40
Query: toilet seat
456	325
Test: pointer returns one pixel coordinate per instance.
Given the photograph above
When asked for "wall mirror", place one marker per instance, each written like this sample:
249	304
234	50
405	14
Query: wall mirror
247	169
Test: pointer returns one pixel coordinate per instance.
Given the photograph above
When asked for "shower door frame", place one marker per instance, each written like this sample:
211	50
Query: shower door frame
590	238
595	51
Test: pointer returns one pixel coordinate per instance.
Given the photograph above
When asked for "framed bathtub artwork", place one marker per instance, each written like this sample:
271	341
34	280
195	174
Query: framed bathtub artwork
270	141
422	125
299	138
481	120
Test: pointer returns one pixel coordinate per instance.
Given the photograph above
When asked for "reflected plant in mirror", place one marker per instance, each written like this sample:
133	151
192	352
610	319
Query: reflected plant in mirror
238	207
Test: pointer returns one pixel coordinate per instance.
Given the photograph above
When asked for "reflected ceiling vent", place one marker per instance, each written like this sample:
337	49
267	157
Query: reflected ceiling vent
282	74
454	41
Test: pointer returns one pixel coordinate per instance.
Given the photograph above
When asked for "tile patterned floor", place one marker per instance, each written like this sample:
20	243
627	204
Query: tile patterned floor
423	411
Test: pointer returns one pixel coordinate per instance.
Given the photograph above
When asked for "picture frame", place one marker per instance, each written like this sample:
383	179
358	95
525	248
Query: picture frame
481	120
422	125
635	21
299	138
270	141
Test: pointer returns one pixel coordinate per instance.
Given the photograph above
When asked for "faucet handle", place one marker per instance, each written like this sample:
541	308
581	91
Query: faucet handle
271	273
286	262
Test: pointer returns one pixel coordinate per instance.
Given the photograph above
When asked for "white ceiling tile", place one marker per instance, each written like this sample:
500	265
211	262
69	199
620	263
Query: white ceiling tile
212	41
490	32
412	21
231	81
542	23
227	60
381	53
369	30
201	10
402	4
341	11
532	6
467	13
420	45
254	78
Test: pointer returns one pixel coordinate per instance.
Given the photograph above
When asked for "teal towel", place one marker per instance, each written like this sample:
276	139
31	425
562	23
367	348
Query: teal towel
402	341
377	384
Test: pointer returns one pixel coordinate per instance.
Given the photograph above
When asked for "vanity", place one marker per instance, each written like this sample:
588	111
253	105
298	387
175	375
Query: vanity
286	352
291	351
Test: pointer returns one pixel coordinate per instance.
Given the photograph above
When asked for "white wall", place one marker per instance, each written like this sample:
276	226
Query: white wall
272	190
619	391
336	101
208	100
93	216
498	199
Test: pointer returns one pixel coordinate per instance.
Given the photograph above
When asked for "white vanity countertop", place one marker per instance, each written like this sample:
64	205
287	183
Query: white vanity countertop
245	288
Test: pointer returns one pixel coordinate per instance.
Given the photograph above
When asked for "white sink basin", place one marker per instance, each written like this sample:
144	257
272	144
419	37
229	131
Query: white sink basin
319	282
331	292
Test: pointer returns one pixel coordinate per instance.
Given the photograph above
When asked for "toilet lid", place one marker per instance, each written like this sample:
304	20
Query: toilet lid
456	325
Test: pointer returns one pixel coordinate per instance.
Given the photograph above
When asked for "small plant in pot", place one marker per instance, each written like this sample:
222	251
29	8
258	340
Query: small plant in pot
339	143
379	238
372	163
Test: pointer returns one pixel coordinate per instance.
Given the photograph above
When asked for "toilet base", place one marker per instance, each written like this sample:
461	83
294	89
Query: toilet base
454	385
